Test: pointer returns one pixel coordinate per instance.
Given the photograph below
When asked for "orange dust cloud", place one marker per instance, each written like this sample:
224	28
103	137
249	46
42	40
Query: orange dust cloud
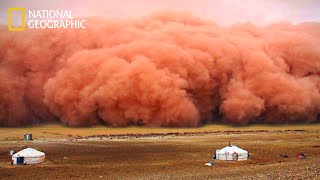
167	69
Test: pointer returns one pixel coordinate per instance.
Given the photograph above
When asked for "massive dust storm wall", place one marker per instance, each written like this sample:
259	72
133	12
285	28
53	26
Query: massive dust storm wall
166	69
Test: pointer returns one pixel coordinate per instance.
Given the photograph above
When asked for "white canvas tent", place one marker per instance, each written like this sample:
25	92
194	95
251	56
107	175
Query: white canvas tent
28	156
231	153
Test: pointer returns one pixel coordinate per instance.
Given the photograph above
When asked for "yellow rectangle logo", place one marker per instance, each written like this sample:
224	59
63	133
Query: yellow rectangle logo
10	27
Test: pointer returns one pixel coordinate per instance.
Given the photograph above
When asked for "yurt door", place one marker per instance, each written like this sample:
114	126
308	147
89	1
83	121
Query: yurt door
235	156
20	160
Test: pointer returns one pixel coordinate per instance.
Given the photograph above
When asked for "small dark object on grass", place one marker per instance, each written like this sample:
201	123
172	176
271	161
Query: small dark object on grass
284	156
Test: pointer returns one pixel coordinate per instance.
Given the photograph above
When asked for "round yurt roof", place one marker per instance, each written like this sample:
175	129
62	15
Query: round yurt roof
29	152
231	149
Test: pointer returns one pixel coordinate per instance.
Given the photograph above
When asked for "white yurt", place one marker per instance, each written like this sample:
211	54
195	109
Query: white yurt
231	153
28	156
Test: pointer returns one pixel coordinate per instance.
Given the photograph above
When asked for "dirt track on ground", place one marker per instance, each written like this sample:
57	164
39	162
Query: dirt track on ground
169	156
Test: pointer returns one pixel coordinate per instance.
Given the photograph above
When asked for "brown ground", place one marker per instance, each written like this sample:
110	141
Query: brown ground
99	154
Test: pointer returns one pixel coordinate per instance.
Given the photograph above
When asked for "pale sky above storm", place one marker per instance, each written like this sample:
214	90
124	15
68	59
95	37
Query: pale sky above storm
224	12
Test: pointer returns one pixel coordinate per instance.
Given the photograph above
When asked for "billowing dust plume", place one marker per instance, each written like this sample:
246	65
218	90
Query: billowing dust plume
167	69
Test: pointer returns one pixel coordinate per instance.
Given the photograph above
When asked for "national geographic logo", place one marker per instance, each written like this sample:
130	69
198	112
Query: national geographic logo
10	26
40	19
